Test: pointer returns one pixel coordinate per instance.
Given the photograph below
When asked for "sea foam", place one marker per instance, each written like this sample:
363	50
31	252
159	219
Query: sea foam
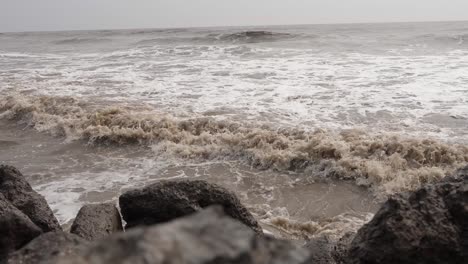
387	163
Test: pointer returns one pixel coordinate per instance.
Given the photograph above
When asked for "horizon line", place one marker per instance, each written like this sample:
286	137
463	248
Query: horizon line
233	26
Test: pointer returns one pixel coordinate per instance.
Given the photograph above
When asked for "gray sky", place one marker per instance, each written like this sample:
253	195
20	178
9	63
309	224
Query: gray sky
31	15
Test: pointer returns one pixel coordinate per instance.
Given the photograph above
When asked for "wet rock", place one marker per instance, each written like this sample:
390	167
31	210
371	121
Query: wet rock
425	226
97	221
16	229
208	236
48	248
20	194
167	200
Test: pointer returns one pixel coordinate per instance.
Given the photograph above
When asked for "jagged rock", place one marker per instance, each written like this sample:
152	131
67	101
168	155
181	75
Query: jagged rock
48	248
97	221
16	229
167	200
20	194
426	226
206	237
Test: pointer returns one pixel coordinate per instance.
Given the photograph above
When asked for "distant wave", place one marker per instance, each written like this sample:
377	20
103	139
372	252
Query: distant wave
442	40
253	36
388	163
70	41
220	38
17	55
153	31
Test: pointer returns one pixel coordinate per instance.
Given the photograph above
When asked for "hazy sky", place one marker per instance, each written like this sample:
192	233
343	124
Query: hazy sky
30	15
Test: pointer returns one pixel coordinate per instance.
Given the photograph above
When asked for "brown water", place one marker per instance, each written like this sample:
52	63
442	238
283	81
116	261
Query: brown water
309	125
70	174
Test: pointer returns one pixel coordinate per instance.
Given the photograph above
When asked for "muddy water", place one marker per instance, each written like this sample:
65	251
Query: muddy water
70	174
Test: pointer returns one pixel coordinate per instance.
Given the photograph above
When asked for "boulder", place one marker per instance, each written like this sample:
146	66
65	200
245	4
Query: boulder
96	221
48	248
206	237
167	200
16	229
21	195
429	225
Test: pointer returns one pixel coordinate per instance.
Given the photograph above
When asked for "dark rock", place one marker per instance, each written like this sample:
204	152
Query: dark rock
207	237
321	250
97	221
167	200
20	194
48	248
426	226
16	229
462	173
340	250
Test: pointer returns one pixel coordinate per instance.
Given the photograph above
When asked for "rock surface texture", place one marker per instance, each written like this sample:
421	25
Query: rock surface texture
168	200
426	226
16	229
340	249
321	250
97	221
20	194
48	248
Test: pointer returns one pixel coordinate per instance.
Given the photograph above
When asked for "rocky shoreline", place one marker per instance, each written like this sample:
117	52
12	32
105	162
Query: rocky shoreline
197	222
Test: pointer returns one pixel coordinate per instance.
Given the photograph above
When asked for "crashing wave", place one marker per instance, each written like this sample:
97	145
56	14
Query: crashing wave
254	36
386	162
243	37
71	41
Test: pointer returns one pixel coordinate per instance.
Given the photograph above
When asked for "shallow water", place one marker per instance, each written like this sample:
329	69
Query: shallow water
70	174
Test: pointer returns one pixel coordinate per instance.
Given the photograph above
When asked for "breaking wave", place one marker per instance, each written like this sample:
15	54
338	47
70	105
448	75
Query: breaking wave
71	41
332	228
253	36
279	222
443	40
387	163
242	37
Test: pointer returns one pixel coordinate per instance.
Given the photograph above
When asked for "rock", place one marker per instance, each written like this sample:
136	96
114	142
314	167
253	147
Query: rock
97	221
208	236
329	251
16	229
321	250
462	173
167	200
48	248
20	194
340	250
426	226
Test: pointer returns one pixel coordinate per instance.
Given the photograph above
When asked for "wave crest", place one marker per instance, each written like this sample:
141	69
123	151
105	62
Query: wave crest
388	163
254	36
77	40
243	37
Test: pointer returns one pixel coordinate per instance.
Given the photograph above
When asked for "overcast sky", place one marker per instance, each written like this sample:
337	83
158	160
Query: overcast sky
32	15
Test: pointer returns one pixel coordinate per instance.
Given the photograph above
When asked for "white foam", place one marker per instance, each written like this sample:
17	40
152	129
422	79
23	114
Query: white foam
288	87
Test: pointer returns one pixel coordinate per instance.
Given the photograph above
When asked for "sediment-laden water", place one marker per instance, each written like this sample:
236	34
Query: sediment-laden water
312	126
